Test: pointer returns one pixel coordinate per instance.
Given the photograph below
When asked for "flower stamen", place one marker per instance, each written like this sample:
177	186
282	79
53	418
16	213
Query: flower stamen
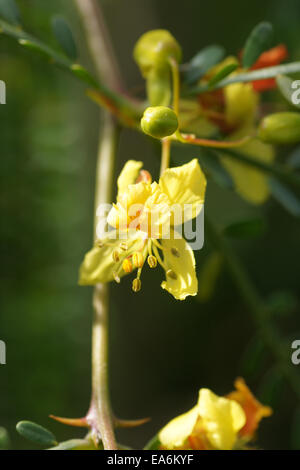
136	285
127	265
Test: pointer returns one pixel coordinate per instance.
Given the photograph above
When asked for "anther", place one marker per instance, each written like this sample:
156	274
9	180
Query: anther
144	176
99	243
136	285
127	265
116	256
116	277
138	259
171	274
123	246
175	252
152	261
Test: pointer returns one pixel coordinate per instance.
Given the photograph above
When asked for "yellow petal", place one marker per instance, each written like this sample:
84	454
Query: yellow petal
250	183
175	433
182	264
222	419
128	175
99	265
185	184
241	103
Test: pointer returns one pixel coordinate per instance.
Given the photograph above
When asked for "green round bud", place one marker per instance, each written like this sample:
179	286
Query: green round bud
154	48
159	122
280	128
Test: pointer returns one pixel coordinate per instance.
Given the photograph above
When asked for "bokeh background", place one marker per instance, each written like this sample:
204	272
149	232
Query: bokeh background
162	351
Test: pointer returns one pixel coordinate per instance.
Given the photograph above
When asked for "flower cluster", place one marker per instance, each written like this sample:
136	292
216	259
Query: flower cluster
143	229
216	423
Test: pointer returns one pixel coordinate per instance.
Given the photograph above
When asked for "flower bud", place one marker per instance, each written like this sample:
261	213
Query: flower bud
159	122
280	128
154	48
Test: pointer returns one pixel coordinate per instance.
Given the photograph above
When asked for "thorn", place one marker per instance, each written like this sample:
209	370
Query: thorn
77	422
130	423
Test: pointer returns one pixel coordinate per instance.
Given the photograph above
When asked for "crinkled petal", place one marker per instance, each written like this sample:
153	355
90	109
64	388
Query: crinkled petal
128	175
182	263
250	183
241	104
222	419
185	184
175	433
98	264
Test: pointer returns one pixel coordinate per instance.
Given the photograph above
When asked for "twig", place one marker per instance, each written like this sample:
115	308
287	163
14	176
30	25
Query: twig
100	413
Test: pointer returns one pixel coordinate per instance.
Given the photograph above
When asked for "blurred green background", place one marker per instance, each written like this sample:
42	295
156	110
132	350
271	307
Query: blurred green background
162	350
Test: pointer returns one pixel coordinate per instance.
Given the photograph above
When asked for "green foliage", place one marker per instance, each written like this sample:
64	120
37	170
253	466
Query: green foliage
210	162
76	444
253	357
294	159
223	73
202	62
271	388
64	36
282	303
10	11
259	41
36	433
295	430
246	228
4	439
153	444
285	197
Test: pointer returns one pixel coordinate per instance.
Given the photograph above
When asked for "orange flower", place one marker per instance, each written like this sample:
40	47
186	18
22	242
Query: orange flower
253	409
269	58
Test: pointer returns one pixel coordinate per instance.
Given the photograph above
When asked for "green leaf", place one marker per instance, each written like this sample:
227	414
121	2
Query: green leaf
253	357
282	303
84	75
10	11
285	85
246	228
285	197
294	159
212	166
224	72
4	439
36	433
258	42
295	431
64	37
34	46
202	62
153	444
75	444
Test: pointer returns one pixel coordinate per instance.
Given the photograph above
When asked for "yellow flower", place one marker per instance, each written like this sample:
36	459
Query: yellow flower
143	220
234	110
214	423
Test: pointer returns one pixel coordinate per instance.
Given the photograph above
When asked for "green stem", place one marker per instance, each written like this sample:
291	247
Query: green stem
100	411
260	312
165	154
100	414
262	74
127	110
